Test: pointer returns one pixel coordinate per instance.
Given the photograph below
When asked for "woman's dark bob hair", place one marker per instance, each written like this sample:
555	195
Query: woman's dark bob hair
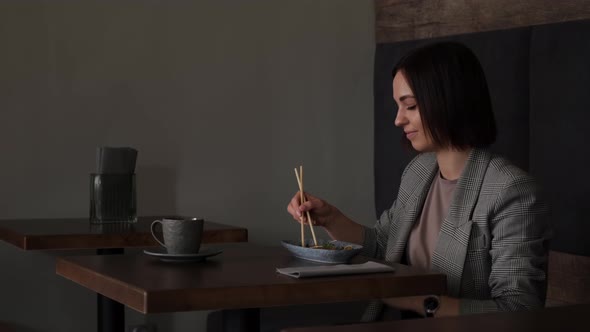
452	95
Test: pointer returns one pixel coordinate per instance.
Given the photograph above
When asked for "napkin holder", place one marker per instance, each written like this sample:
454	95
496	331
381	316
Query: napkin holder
113	197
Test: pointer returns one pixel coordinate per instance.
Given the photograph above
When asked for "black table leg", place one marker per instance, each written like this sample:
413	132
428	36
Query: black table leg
243	320
110	313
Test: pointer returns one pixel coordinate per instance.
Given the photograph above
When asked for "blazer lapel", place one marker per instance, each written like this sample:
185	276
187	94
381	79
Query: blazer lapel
451	249
417	184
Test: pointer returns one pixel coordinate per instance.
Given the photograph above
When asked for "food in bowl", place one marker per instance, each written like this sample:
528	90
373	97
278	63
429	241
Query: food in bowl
331	246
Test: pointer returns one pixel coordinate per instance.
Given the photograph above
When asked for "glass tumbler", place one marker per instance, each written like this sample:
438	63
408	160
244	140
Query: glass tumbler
113	198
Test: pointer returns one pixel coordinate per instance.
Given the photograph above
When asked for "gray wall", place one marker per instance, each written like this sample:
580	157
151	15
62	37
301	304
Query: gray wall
221	98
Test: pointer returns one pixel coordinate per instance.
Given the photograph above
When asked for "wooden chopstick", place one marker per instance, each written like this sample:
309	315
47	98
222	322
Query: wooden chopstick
315	242
303	199
301	217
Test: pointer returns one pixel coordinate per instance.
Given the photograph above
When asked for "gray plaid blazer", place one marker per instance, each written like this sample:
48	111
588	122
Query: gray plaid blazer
493	244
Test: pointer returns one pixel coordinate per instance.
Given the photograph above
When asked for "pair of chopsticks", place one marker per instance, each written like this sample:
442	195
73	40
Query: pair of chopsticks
303	199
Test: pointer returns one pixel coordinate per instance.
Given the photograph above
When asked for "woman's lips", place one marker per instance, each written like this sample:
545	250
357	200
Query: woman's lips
411	134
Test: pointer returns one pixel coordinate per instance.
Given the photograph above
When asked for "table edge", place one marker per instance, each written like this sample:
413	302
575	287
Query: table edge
113	288
113	240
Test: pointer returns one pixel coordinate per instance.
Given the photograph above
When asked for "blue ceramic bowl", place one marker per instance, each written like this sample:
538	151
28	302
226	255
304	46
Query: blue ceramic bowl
332	256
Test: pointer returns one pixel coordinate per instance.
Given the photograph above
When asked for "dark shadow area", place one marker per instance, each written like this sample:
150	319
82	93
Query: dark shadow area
275	319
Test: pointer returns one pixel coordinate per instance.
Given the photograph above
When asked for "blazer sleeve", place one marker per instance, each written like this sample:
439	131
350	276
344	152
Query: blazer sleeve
375	239
519	250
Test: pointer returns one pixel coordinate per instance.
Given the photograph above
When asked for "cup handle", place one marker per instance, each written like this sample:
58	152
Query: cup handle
153	230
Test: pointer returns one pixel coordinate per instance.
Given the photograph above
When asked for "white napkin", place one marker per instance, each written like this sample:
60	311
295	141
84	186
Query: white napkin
332	270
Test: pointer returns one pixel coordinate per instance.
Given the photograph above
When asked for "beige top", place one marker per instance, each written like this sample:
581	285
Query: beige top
424	234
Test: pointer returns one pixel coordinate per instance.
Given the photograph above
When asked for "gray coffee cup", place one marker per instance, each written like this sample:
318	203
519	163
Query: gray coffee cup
181	236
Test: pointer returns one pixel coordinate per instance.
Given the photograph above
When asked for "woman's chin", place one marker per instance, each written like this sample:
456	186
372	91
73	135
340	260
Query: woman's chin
423	148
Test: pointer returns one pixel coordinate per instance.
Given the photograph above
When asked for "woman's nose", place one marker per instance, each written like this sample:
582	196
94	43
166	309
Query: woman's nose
400	119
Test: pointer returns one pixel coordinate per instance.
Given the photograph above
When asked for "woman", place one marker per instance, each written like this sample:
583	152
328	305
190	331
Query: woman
460	209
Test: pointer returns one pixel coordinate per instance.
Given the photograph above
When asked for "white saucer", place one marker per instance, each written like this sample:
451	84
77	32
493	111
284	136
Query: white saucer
182	258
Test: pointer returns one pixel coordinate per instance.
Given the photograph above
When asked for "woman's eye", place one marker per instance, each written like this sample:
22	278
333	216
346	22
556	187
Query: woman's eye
413	107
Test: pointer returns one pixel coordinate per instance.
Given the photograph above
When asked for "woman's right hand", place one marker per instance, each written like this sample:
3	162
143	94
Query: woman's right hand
322	213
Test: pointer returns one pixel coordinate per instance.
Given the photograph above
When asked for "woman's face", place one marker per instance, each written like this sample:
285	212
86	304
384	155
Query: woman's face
408	115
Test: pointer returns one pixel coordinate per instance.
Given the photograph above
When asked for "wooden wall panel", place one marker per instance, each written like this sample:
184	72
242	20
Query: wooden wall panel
399	20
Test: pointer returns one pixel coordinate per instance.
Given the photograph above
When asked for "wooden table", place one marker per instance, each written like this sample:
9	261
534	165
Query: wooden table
556	319
5	327
243	277
107	239
78	233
